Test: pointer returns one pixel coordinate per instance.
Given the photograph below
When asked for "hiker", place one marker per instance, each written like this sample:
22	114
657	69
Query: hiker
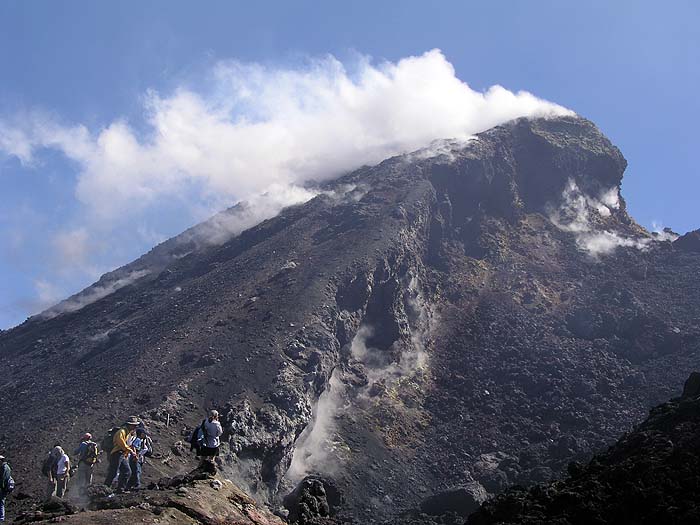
56	468
7	484
141	443
212	431
86	453
119	456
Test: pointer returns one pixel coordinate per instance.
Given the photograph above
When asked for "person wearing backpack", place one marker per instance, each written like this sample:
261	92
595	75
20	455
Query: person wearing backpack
86	453
7	484
140	444
211	430
119	455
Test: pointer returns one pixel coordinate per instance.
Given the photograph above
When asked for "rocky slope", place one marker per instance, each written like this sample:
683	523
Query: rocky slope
652	475
471	315
198	498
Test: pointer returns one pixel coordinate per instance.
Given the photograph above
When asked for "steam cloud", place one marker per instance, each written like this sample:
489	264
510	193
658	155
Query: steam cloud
577	214
319	449
92	294
258	129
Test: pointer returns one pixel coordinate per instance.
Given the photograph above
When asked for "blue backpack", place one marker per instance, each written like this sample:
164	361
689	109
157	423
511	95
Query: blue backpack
197	439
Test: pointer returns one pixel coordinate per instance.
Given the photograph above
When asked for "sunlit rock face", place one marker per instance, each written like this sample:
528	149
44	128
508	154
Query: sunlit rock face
461	318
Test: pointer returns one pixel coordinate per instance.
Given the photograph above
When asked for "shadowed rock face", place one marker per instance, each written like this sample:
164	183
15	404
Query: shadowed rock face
652	475
690	242
472	314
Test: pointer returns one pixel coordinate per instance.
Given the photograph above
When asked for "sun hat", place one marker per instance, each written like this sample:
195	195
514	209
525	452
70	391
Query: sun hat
133	420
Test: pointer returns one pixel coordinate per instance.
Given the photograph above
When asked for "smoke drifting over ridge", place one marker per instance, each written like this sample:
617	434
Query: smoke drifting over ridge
577	214
260	126
256	128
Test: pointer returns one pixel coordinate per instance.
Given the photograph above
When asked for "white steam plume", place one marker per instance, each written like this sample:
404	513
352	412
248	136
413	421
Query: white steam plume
320	449
577	215
257	208
254	129
92	294
259	126
663	234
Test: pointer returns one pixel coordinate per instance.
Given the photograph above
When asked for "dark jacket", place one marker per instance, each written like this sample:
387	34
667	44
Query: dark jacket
5	476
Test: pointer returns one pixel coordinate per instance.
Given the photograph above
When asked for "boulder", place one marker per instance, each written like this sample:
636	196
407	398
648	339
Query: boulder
313	498
692	385
461	500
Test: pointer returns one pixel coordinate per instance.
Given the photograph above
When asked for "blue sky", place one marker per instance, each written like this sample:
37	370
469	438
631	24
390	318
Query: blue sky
85	67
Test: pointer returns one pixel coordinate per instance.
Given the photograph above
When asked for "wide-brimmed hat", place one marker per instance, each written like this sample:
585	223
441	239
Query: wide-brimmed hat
133	420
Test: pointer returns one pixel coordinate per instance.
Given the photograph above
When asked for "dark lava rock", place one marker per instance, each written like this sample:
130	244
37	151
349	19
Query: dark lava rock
692	385
690	242
312	501
57	505
97	491
651	476
461	500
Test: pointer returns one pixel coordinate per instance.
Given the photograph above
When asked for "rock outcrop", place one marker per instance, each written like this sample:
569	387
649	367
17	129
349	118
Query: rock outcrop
652	475
197	498
313	502
690	242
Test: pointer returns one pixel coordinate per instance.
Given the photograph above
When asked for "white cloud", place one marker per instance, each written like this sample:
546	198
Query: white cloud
256	129
72	246
14	143
260	126
47	293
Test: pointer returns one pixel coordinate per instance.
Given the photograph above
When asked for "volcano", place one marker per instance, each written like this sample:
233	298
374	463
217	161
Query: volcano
469	316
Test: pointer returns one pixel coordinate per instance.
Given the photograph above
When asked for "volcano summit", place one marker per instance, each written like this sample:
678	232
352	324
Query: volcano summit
464	317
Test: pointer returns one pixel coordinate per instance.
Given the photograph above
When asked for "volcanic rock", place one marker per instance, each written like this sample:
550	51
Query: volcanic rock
651	475
488	299
312	501
692	385
195	498
460	500
690	242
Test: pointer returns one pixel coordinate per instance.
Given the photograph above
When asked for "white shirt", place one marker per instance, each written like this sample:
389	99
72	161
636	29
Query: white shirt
213	432
62	465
